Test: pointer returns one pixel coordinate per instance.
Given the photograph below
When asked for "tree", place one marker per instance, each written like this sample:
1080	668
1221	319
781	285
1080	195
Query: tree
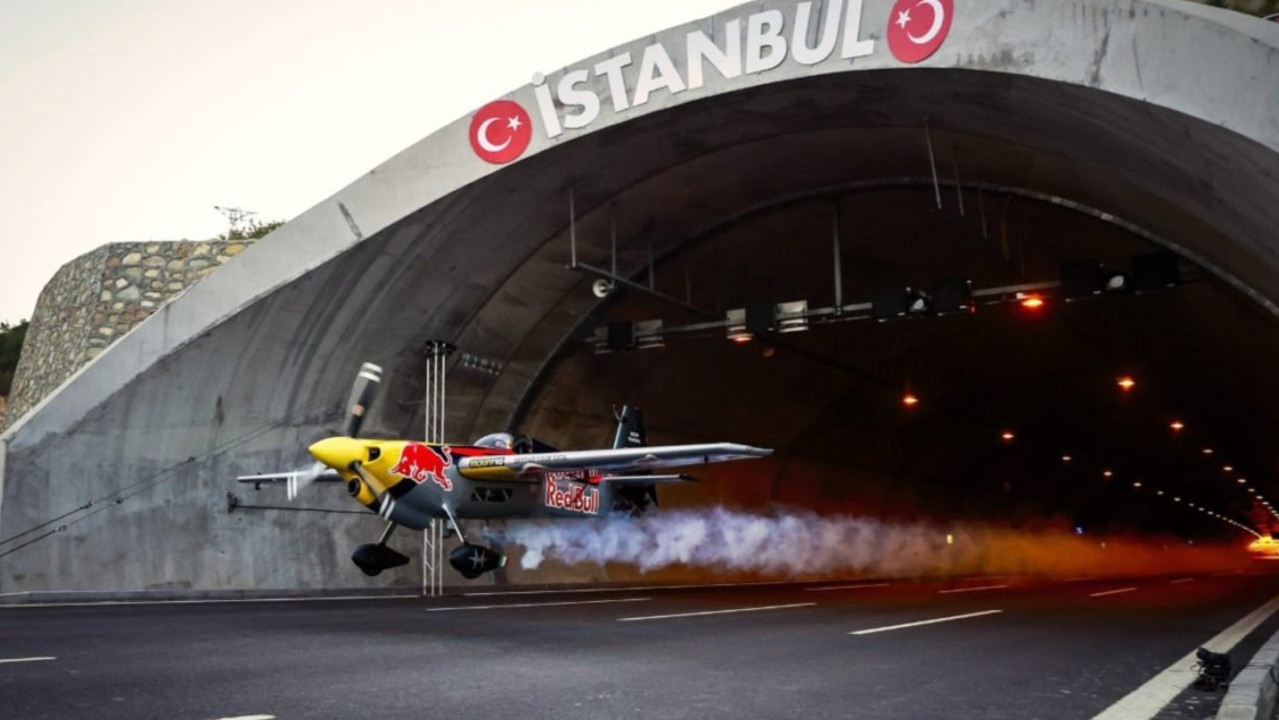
11	338
252	231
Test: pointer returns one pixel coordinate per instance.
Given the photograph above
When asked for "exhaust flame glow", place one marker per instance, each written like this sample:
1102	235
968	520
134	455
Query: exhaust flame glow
800	543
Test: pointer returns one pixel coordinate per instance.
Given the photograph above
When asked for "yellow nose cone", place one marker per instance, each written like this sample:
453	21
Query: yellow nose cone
339	452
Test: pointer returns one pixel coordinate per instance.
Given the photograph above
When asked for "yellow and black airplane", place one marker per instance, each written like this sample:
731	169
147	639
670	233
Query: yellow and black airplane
498	476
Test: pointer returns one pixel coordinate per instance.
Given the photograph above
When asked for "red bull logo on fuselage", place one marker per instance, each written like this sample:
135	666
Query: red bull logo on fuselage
419	463
572	496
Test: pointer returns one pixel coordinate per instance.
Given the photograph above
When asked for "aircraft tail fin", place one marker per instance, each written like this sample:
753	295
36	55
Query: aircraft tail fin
640	494
630	428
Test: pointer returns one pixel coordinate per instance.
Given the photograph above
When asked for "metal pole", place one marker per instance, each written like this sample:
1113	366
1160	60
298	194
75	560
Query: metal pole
959	189
437	352
839	279
572	230
932	162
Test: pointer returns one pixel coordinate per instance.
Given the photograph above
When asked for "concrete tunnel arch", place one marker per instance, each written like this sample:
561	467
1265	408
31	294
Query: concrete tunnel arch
1156	111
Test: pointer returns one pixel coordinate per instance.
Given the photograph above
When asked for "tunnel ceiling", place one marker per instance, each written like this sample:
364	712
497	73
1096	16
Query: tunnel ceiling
1046	175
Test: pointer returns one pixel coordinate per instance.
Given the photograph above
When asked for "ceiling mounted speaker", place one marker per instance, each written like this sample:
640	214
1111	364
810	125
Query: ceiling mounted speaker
601	288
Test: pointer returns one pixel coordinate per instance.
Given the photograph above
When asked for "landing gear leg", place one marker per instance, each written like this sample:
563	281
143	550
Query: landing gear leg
470	560
373	558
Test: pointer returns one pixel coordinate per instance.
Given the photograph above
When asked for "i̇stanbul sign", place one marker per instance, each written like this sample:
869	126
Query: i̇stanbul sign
502	130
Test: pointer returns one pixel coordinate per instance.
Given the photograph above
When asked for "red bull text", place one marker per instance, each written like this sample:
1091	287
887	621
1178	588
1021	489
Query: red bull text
572	496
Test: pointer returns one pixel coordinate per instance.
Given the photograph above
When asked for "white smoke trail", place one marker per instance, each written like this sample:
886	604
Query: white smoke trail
801	543
795	543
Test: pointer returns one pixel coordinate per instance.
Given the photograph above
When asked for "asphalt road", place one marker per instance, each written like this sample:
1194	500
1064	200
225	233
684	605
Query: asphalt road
1006	649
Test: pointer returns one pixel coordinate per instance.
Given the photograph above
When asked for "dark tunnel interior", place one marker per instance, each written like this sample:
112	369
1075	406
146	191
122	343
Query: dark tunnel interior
753	224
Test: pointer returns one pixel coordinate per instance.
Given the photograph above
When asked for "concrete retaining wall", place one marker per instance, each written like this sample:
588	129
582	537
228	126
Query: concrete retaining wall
95	299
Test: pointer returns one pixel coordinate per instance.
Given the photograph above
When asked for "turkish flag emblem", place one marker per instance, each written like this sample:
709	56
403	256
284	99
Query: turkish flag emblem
500	132
916	28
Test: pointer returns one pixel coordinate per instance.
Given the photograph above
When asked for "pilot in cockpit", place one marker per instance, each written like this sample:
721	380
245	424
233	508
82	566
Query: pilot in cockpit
497	441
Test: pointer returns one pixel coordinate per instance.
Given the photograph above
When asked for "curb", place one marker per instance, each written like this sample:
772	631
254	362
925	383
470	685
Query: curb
1253	691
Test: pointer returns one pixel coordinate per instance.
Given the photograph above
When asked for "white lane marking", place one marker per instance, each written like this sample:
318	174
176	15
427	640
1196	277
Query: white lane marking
716	612
126	603
1147	700
971	589
1104	593
642	588
537	605
249	717
30	659
1182	580
924	622
847	587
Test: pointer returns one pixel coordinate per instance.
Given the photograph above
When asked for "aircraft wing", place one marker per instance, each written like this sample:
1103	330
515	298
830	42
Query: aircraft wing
647	479
613	460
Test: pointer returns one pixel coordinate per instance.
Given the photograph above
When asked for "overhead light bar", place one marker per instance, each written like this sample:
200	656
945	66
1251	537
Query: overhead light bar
792	316
648	335
735	325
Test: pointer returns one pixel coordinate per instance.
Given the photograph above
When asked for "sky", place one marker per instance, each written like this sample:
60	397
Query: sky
129	120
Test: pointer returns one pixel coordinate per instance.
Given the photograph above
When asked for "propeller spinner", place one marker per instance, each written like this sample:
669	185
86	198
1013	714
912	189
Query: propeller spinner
363	392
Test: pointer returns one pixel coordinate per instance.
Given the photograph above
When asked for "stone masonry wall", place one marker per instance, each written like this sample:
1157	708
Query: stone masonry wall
95	299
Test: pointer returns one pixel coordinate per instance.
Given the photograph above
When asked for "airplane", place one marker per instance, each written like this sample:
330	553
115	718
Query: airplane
499	476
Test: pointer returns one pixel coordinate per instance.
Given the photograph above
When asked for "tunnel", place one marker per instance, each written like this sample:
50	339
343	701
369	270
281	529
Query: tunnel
1036	141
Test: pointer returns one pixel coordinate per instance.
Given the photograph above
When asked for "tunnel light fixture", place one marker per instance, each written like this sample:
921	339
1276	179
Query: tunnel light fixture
1007	436
1066	458
1242	481
1228	468
735	327
909	400
1207	451
1126	383
1030	301
1107	473
648	335
1177	425
599	340
792	316
1136	483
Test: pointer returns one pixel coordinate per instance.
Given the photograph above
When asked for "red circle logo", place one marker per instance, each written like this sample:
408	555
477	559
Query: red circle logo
916	28
500	132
